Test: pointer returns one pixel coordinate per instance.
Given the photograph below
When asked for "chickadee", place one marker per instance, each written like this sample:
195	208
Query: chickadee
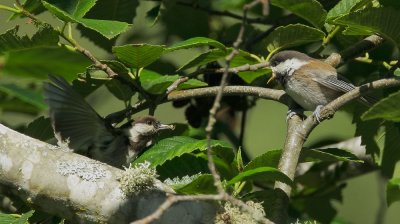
311	83
86	132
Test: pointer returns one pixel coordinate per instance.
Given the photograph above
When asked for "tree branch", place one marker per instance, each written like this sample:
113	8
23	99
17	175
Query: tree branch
79	189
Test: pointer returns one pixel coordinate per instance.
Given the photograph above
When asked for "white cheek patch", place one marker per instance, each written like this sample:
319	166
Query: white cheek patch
139	129
289	66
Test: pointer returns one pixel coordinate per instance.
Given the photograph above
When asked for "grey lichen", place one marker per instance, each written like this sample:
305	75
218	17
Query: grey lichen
138	178
233	215
87	170
181	181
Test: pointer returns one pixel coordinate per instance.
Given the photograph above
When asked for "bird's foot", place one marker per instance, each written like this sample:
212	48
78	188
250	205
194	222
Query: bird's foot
296	111
317	113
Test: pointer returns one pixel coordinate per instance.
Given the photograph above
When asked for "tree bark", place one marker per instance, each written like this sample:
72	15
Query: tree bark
80	189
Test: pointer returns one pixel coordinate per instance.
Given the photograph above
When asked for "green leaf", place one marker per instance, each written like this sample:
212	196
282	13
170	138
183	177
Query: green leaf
119	89
390	155
243	57
385	21
292	35
76	8
327	155
26	95
387	108
196	42
155	83
121	10
39	62
15	218
310	10
250	76
107	28
270	158
204	184
24	218
343	7
261	173
186	164
40	129
10	41
393	191
192	83
138	55
170	148
204	58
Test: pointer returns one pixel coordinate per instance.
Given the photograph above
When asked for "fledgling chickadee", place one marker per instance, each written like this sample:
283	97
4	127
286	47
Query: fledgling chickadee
311	83
76	122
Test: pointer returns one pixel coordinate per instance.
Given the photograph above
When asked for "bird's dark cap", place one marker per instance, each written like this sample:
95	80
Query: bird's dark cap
285	55
150	120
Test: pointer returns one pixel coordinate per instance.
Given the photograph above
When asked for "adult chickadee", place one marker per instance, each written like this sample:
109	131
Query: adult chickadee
86	132
311	83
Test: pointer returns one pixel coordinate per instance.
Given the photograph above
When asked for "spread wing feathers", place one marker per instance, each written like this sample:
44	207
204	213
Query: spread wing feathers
72	117
340	83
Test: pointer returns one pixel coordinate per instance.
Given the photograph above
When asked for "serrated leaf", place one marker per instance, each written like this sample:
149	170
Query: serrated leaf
170	148
204	58
270	159
107	28
39	62
204	184
26	95
155	83
10	41
196	42
122	10
385	21
40	129
261	173
387	108
310	10
393	191
76	8
343	7
138	55
292	35
327	155
186	164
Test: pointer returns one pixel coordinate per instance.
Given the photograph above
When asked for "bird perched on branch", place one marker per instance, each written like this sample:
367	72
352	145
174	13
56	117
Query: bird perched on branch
311	83
86	132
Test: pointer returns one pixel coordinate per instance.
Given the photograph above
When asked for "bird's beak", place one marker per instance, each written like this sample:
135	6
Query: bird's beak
273	77
166	126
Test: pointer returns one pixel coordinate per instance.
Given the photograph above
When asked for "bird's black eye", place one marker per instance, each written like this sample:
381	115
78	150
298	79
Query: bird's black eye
149	122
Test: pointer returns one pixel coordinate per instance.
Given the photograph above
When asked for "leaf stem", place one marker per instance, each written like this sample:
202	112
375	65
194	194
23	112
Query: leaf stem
10	9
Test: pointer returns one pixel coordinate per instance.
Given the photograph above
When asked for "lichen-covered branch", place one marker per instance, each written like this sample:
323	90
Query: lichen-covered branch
79	189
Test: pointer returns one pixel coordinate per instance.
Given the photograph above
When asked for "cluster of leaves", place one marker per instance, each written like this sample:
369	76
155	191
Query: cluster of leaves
311	26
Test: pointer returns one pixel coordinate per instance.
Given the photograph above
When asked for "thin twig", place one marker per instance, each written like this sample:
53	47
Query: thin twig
222	195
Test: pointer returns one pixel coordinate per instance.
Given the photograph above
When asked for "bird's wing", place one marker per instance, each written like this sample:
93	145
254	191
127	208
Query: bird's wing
337	82
72	117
